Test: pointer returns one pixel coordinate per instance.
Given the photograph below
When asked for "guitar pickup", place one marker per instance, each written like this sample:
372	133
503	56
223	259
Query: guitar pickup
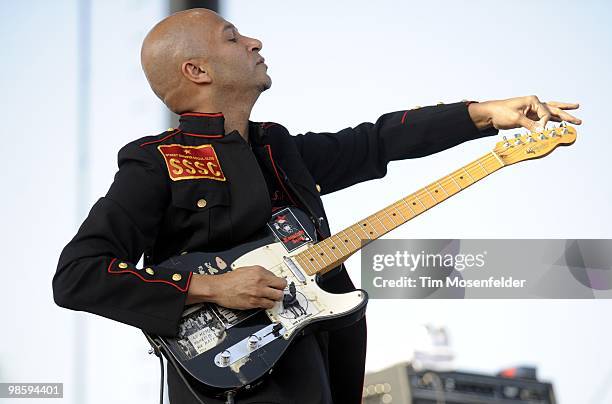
294	269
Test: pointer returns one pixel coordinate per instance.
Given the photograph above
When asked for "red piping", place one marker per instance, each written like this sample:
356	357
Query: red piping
266	125
277	176
404	116
205	136
162	139
216	115
149	280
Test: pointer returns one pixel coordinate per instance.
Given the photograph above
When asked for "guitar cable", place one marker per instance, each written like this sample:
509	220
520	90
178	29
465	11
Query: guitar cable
160	351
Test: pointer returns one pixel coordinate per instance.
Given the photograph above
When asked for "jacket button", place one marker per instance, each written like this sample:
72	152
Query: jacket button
201	203
318	187
122	265
150	271
176	277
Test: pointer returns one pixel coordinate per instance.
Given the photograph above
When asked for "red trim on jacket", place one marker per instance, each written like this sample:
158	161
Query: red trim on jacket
184	133
278	176
122	271
162	139
404	116
204	136
266	125
215	115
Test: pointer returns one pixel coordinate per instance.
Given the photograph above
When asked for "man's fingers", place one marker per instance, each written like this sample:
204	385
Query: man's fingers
272	294
563	105
528	124
560	115
276	282
264	303
544	114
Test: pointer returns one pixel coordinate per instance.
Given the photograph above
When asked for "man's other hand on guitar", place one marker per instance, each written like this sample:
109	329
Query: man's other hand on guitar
527	112
243	288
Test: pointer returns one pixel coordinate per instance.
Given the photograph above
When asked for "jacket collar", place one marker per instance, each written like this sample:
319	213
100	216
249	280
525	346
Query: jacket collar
199	123
205	123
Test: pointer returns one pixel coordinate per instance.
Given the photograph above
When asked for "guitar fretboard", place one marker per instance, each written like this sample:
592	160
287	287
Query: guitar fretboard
331	252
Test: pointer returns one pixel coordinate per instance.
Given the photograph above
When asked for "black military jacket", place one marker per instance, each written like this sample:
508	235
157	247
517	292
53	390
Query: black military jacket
160	206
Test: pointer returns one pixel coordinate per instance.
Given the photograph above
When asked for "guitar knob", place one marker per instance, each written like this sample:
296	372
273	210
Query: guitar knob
253	341
542	137
225	358
506	143
530	139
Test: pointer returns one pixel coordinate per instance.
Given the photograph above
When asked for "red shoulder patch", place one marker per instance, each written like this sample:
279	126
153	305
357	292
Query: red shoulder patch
191	162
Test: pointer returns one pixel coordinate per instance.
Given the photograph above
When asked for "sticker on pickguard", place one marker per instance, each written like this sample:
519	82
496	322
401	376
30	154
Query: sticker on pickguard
295	305
288	230
199	331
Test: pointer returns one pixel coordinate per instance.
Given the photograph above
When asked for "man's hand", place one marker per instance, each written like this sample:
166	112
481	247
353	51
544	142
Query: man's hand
527	112
243	288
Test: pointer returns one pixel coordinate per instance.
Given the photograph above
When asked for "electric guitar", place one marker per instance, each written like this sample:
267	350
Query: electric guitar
230	350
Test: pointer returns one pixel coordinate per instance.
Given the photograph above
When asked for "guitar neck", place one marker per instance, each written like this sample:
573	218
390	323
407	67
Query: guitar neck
331	252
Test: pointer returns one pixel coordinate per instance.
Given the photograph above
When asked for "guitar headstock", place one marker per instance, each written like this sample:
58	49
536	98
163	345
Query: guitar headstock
534	145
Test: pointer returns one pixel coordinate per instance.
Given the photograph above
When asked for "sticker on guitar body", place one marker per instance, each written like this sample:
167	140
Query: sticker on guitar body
288	230
204	326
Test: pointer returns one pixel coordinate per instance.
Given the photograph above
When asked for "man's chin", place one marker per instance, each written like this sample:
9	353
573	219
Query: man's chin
266	84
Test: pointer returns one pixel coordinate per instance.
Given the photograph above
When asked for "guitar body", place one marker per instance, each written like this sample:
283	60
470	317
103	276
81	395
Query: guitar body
227	349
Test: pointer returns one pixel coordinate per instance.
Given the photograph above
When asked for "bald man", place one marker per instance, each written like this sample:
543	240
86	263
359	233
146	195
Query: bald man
203	69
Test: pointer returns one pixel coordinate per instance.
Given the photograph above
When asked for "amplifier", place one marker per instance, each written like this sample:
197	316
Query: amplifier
402	384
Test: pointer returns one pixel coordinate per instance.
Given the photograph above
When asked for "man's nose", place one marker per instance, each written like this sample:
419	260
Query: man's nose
255	44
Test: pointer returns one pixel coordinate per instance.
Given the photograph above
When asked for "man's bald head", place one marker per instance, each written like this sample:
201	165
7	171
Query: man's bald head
186	52
179	37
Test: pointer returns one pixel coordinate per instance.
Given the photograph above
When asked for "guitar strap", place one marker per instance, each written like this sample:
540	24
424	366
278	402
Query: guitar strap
316	221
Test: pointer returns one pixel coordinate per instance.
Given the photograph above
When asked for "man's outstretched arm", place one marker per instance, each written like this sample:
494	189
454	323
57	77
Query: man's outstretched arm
352	155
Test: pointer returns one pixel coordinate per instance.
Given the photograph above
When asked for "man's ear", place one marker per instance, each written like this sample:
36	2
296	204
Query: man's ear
195	72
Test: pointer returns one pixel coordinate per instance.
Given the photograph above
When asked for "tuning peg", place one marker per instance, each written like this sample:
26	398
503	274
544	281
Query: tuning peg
542	137
530	139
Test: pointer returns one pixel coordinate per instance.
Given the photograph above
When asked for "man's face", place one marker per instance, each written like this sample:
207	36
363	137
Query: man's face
234	59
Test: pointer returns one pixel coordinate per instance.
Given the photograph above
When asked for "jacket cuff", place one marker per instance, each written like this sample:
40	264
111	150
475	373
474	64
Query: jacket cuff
469	128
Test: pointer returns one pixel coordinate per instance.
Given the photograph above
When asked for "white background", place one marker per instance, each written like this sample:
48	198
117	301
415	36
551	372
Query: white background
333	65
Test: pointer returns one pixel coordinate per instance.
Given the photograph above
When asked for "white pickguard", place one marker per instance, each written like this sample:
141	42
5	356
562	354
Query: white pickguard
315	303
